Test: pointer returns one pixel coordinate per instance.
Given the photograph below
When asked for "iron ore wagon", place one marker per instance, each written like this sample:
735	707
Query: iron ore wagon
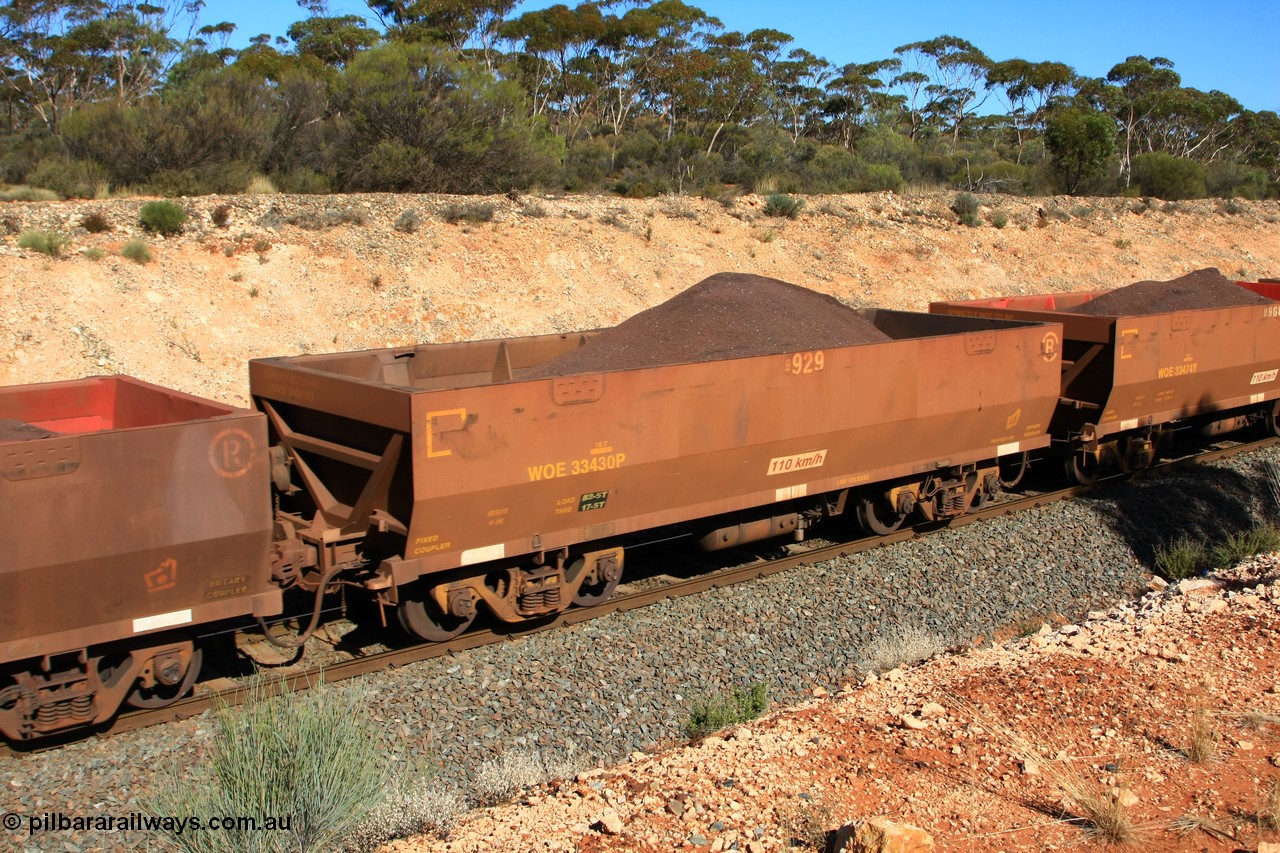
509	473
129	514
1197	352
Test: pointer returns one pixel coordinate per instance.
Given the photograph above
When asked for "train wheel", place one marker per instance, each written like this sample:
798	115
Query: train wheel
876	518
421	617
1271	419
161	695
1082	469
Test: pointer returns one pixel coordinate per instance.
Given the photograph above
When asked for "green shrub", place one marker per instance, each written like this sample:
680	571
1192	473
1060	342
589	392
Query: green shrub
879	177
1244	544
999	219
162	217
1000	176
971	219
304	181
94	222
26	193
1181	558
48	243
717	712
965	204
1235	180
471	211
304	757
408	222
68	178
783	205
1168	177
175	182
94	253
137	251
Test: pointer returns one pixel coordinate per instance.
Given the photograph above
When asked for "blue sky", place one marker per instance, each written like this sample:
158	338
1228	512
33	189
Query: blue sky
1227	45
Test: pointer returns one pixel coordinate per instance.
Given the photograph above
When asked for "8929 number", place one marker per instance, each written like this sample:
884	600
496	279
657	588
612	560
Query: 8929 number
806	362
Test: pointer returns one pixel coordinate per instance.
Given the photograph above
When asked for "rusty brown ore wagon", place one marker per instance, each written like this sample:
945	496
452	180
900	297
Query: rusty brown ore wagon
131	513
1130	375
449	477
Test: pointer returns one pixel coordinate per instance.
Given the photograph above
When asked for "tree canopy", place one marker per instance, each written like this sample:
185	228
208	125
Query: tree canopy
636	97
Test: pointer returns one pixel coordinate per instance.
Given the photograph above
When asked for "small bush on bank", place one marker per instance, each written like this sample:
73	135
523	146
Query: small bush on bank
717	712
221	215
411	808
782	205
137	251
48	243
408	222
162	217
1181	558
94	222
1243	544
966	204
471	211
903	645
501	778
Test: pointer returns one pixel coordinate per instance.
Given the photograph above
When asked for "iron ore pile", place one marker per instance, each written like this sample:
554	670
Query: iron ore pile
1206	288
727	315
596	693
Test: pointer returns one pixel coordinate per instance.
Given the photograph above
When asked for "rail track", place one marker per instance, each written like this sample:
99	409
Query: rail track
626	599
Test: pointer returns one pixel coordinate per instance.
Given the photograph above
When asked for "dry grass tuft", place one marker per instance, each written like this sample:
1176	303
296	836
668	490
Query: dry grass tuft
1187	824
501	779
1269	806
1104	810
904	645
808	822
1202	737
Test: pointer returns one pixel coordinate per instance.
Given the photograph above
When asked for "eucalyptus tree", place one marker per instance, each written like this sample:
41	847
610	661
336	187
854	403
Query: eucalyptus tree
1132	93
856	95
460	24
332	39
58	54
1030	90
954	73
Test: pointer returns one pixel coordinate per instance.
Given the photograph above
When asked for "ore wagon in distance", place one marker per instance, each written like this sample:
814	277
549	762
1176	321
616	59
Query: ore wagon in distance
1199	352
